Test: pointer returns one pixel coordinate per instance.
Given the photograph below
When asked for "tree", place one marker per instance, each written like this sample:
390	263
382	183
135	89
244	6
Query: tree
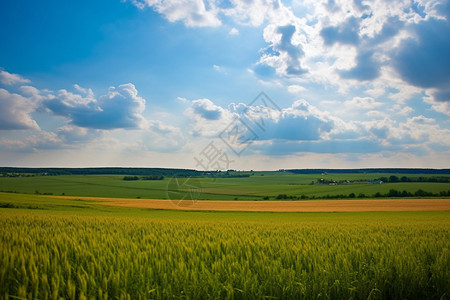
393	193
393	178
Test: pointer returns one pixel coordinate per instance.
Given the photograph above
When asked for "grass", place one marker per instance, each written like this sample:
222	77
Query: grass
250	188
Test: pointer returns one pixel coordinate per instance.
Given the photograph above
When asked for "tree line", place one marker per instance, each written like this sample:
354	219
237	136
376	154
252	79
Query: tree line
102	171
393	178
370	170
148	177
393	193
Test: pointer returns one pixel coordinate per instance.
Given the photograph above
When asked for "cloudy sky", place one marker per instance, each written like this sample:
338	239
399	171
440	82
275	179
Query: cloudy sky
218	84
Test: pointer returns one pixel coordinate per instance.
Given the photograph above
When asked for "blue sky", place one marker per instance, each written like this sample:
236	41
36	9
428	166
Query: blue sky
154	83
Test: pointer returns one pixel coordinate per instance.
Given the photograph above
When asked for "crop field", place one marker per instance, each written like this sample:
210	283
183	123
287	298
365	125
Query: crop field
193	255
277	206
76	247
257	187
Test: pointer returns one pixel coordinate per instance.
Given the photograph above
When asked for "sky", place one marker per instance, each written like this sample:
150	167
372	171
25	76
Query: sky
225	84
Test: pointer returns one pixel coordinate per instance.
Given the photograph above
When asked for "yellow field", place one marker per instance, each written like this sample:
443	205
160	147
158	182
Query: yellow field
281	206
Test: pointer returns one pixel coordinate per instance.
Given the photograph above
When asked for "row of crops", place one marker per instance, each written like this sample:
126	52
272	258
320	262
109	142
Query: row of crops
78	257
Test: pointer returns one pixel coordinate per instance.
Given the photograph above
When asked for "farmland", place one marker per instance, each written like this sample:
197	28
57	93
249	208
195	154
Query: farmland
261	185
94	242
171	254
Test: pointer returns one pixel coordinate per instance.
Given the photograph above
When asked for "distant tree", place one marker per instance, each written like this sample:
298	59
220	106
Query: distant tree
384	179
393	193
422	193
393	178
153	177
406	194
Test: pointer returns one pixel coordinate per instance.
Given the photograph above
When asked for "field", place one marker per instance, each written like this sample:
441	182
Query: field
277	206
173	254
75	247
261	185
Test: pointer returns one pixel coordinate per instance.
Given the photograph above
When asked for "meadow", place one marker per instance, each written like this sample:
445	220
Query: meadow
260	186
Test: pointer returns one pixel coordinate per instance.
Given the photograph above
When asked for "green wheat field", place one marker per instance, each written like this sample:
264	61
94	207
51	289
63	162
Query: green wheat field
80	251
76	249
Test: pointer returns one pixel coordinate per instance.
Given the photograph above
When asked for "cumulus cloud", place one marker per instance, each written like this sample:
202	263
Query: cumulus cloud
303	127
121	107
365	103
193	13
423	60
301	121
88	119
9	78
206	109
286	51
337	42
208	119
233	31
345	33
15	111
366	68
296	89
252	13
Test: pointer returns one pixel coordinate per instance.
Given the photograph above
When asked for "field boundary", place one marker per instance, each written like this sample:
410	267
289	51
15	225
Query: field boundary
355	205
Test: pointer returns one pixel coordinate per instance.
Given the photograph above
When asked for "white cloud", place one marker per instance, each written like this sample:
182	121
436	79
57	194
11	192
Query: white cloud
121	107
439	106
376	114
15	111
338	43
296	89
402	110
10	78
163	137
301	121
233	31
206	109
193	13
88	92
70	134
182	99
208	119
42	140
365	103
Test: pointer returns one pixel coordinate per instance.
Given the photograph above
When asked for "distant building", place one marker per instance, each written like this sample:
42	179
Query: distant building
375	182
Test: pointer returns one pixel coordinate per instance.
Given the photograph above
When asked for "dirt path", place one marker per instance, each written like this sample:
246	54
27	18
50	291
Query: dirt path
281	206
